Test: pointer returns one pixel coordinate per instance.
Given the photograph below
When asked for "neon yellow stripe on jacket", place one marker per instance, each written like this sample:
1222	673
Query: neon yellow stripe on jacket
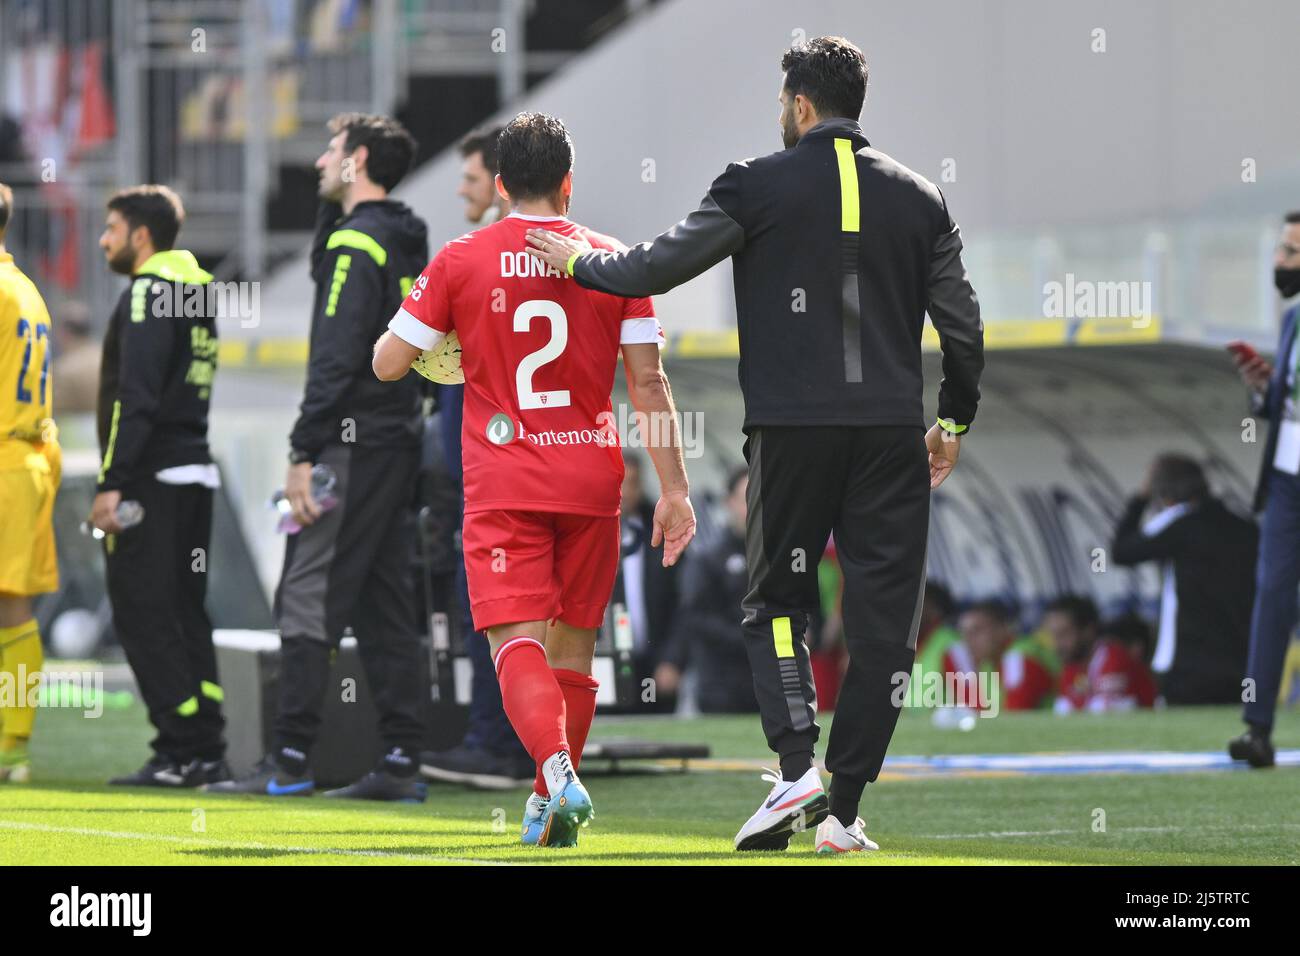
850	207
358	240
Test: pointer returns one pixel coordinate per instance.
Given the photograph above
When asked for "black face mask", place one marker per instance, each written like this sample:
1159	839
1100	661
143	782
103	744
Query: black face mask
1287	281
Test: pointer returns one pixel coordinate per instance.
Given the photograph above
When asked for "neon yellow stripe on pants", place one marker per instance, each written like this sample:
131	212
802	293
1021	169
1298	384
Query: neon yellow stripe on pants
781	637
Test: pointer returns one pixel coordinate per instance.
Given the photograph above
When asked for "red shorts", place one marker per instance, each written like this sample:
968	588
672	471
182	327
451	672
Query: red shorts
539	566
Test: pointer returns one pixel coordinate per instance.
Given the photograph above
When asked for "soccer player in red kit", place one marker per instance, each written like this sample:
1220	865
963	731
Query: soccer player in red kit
542	462
1104	664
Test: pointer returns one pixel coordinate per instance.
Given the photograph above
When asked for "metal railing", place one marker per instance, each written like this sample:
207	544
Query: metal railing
208	96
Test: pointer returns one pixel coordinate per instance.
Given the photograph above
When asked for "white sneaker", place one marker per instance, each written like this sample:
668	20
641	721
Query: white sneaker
834	837
790	808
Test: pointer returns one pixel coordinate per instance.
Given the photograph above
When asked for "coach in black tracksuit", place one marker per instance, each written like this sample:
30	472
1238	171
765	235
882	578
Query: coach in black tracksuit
838	251
155	386
351	565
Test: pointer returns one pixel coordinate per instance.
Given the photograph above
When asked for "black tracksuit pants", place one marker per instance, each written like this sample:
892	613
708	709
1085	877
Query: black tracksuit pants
157	583
870	485
353	568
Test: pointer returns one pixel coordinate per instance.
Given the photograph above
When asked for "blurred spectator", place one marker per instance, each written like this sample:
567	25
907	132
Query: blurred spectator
1208	561
1275	396
1026	667
648	591
707	632
1102	670
76	361
1134	633
478	172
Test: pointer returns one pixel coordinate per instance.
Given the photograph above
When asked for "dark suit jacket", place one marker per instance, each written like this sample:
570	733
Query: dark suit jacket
1269	406
1213	553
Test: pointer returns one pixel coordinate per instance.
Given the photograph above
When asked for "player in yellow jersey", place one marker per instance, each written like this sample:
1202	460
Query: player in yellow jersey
30	465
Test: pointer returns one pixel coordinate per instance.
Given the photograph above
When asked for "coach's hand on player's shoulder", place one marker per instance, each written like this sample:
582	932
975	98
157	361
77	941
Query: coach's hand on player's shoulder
103	512
297	489
944	448
554	249
674	525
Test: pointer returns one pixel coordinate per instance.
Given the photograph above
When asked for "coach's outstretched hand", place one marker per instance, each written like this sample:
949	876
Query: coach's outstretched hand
944	448
674	525
554	249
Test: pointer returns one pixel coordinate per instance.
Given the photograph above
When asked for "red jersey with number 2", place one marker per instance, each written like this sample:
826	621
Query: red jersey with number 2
539	356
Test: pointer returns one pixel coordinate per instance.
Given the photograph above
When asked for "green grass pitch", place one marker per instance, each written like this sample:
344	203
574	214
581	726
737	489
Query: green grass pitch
67	816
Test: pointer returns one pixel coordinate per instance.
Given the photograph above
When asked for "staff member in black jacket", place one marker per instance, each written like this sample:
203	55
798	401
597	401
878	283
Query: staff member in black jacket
155	385
1208	566
838	252
350	565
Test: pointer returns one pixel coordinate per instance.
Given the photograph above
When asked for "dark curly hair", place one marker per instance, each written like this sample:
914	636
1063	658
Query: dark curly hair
157	208
831	72
390	148
482	140
534	152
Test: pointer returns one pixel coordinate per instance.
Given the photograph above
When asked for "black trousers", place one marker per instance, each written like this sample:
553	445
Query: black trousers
157	584
871	487
353	568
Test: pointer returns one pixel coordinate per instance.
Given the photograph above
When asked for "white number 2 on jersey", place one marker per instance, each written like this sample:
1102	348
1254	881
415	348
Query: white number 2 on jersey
524	315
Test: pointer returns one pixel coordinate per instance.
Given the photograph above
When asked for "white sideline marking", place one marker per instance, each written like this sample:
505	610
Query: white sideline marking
240	845
1000	834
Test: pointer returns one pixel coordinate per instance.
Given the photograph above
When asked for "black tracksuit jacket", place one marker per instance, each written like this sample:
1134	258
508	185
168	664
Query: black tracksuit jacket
156	372
363	264
838	251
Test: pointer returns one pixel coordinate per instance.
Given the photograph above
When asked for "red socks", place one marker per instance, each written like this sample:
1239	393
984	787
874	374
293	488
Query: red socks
532	698
579	709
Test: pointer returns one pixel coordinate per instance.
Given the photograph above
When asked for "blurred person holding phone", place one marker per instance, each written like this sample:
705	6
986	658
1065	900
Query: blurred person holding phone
1273	396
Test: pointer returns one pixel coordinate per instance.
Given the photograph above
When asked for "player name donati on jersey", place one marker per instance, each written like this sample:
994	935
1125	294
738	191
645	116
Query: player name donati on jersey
520	265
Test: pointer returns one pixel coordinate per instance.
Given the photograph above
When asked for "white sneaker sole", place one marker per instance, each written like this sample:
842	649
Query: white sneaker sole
828	847
776	832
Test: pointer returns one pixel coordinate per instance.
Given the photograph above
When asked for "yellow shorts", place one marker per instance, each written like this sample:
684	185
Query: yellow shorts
29	480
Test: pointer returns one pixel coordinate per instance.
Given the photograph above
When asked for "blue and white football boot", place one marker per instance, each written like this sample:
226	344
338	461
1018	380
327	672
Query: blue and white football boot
569	809
533	810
